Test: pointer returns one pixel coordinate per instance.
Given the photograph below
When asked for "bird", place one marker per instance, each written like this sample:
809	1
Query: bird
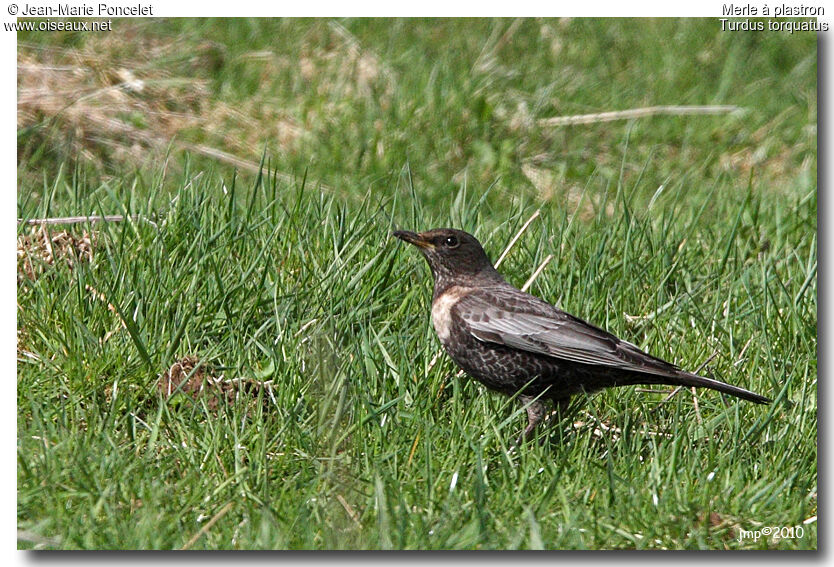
517	344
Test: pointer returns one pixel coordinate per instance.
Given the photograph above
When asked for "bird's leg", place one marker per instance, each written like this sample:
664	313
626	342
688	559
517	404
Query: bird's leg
536	413
536	410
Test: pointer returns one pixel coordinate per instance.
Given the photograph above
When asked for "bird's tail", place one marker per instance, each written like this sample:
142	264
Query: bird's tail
689	379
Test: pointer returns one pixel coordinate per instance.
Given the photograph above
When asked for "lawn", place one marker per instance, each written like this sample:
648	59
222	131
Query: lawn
246	360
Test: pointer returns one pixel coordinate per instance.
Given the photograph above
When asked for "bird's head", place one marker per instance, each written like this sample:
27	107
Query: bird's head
453	255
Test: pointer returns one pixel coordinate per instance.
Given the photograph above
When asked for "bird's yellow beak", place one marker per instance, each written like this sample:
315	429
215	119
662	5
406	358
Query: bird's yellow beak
414	238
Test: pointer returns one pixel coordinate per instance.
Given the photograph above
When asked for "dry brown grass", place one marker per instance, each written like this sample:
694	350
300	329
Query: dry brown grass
42	247
199	379
107	100
193	378
123	99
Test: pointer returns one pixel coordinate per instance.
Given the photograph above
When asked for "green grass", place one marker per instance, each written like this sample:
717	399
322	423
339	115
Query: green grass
693	237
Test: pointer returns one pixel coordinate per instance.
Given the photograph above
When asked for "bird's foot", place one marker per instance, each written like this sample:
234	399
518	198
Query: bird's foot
537	412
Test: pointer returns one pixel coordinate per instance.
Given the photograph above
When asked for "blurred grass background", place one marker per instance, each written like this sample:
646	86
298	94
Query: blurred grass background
351	101
268	161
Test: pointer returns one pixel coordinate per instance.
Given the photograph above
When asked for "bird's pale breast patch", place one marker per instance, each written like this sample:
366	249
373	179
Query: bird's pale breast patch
441	310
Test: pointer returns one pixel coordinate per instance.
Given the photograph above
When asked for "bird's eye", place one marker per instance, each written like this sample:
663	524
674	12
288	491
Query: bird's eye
451	242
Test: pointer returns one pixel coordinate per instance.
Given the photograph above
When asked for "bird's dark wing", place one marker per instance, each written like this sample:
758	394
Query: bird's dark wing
521	321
